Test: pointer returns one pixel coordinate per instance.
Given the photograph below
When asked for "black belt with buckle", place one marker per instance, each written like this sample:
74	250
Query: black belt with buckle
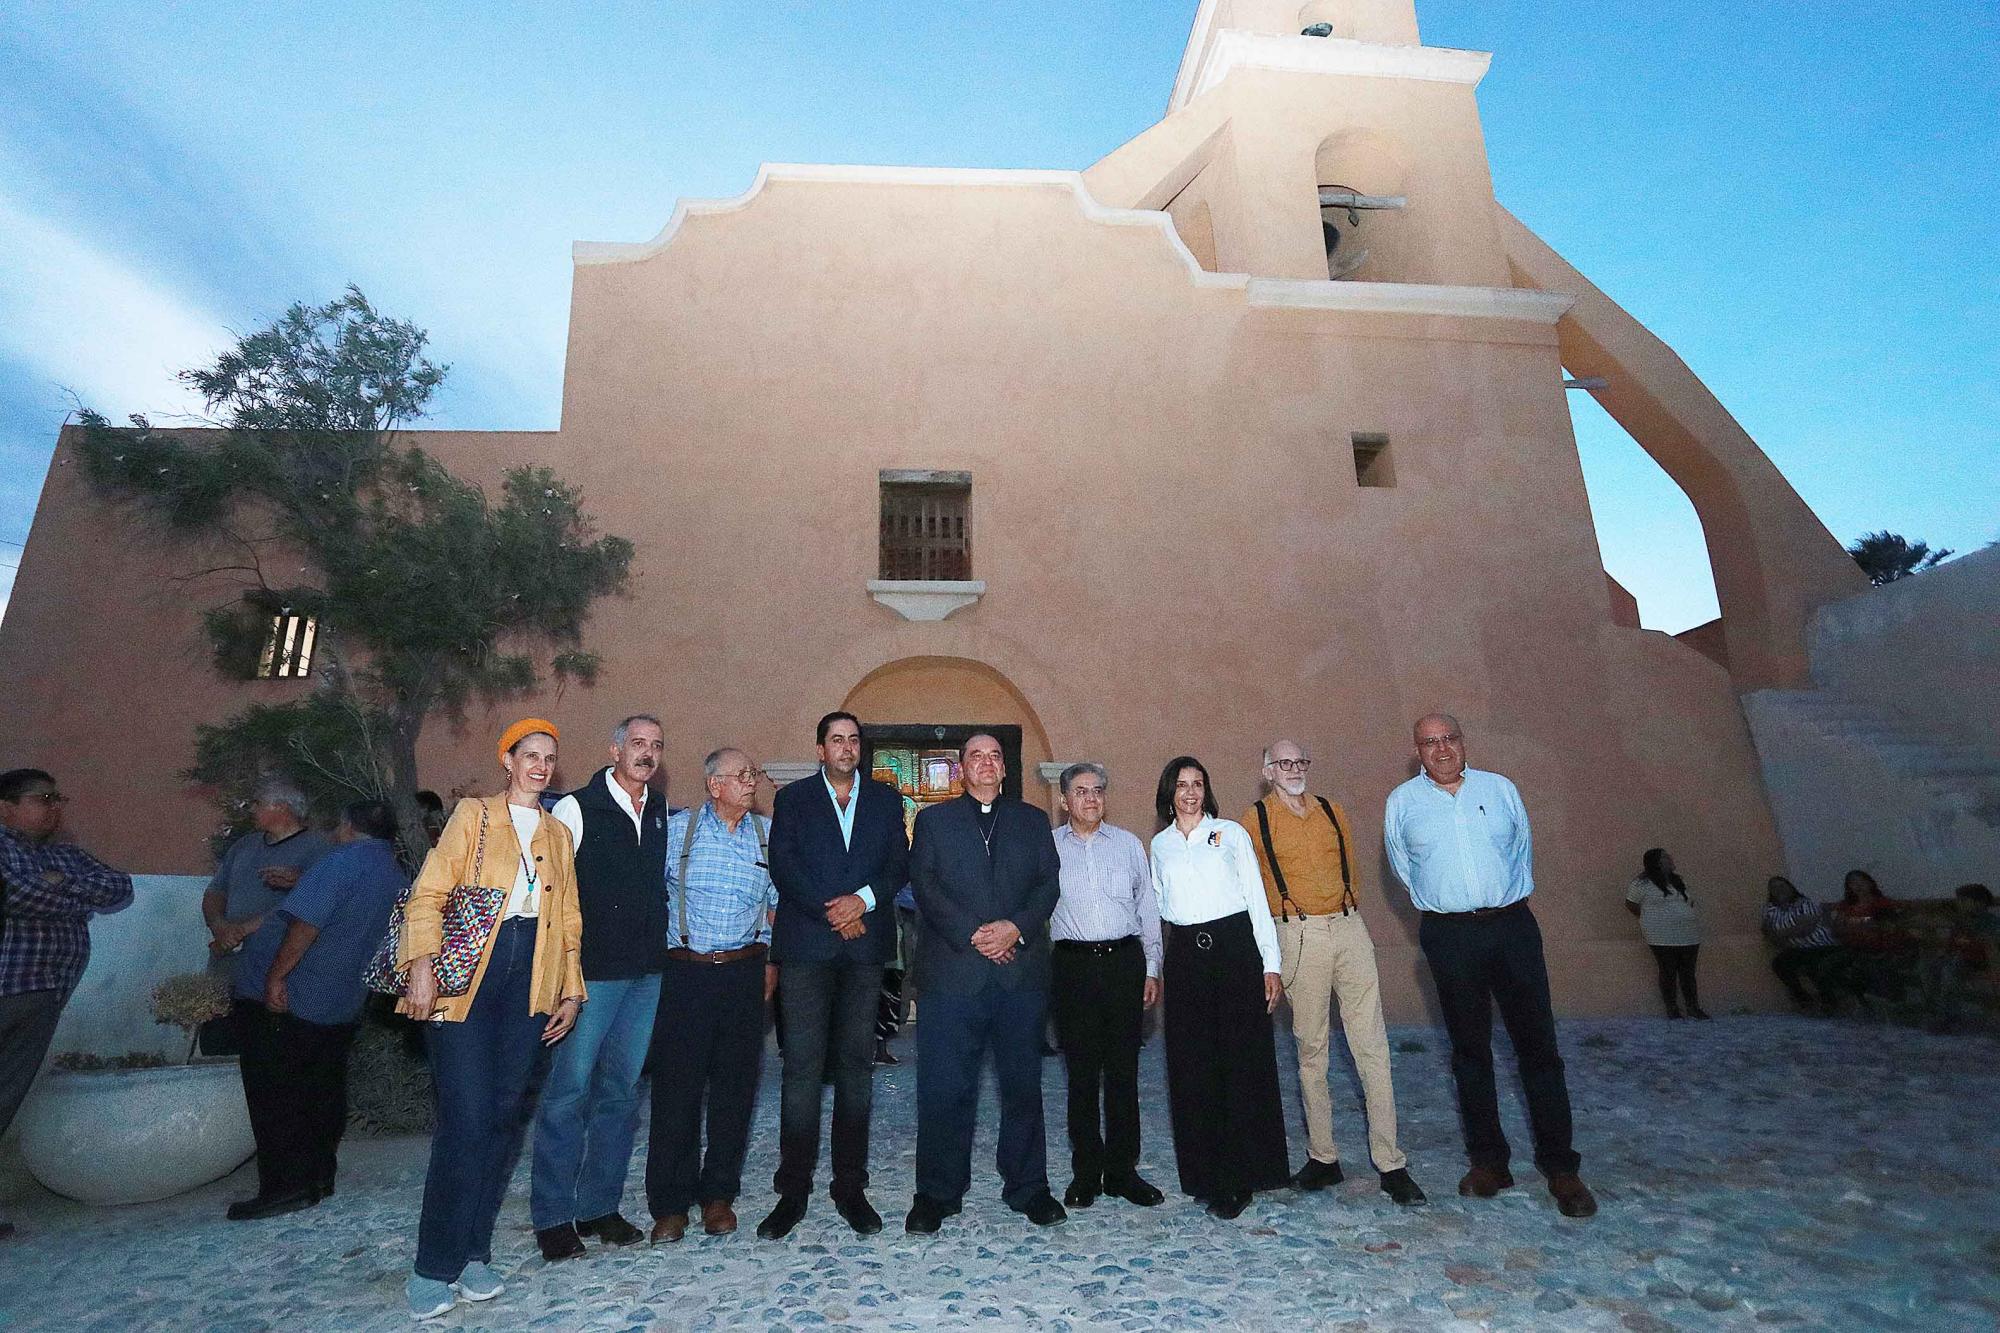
1098	948
1514	906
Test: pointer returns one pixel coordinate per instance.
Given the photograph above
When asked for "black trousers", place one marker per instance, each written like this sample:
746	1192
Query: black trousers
829	1024
295	1085
1099	1005
708	1048
1676	965
1829	967
954	1037
1222	1062
1496	959
27	1026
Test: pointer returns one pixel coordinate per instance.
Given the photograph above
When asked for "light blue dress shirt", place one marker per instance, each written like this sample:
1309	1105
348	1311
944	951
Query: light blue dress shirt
1458	853
845	814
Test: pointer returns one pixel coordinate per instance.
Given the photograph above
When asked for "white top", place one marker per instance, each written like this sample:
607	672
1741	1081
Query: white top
1665	919
526	898
571	814
1211	873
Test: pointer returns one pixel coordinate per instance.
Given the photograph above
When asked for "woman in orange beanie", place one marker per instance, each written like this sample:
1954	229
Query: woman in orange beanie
525	990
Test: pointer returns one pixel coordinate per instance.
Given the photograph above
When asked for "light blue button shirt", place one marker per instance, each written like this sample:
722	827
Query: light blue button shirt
1457	853
845	814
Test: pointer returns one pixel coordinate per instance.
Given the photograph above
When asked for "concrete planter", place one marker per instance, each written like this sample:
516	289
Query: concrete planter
135	1135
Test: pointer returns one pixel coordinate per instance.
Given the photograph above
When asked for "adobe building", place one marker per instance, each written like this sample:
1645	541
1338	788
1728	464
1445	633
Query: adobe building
1257	427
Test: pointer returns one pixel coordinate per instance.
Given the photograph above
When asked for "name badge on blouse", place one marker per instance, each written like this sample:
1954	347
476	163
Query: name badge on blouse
1215	838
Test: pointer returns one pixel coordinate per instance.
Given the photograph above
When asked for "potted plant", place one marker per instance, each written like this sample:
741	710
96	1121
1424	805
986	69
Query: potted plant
134	1128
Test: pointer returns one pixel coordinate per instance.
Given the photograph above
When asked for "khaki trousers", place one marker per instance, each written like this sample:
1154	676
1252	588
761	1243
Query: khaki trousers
1329	958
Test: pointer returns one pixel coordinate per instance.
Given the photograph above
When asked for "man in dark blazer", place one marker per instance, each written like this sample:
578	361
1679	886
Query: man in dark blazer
987	877
838	857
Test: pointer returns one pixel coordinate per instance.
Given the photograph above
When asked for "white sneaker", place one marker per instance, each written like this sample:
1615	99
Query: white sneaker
428	1297
479	1283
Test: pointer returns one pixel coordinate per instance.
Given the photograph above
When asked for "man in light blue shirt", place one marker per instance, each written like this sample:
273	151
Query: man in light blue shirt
1458	838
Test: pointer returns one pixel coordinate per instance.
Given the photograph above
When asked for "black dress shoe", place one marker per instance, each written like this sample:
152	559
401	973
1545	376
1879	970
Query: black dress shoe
1043	1210
927	1215
791	1207
858	1213
1135	1189
1398	1186
612	1229
1228	1206
1317	1175
272	1205
560	1243
1081	1193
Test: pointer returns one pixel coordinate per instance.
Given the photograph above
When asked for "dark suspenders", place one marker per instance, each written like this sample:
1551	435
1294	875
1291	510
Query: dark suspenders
1285	903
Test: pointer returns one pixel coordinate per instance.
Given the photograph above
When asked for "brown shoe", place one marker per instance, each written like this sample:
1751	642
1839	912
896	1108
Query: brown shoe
670	1228
1573	1197
717	1217
1483	1182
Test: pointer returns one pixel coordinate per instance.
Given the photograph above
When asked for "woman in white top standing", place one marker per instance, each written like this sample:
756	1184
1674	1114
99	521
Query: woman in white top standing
1667	920
1221	985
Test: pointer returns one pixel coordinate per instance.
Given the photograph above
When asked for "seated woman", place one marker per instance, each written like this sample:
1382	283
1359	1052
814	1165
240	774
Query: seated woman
1865	921
1797	929
1671	928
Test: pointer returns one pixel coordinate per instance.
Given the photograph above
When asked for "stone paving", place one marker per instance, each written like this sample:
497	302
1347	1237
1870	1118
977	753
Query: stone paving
1753	1172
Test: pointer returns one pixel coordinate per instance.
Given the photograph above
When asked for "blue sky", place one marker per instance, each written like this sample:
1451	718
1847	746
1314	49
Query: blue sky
1807	209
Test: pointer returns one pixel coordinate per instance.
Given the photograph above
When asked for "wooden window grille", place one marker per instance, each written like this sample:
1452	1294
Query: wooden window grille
926	530
288	648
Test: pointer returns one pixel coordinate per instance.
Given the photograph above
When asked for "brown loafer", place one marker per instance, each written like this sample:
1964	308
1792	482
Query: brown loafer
1483	1182
669	1228
717	1217
1573	1197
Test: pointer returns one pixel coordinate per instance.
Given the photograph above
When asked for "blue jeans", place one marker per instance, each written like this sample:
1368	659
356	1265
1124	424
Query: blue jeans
481	1068
953	1036
590	1105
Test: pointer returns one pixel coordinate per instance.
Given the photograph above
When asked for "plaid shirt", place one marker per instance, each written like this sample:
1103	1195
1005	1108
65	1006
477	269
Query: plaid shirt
52	889
729	897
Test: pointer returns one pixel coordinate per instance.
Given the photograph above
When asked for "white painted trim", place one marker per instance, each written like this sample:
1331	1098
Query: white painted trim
1235	49
1200	34
783	771
924	599
625	252
1409	298
1052	771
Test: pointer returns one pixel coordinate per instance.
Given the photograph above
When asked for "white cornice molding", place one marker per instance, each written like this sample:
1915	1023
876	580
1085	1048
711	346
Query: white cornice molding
785	771
1234	49
1410	298
926	599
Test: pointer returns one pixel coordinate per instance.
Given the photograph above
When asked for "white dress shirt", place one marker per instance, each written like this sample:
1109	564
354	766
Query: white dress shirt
844	814
1211	873
1107	891
571	814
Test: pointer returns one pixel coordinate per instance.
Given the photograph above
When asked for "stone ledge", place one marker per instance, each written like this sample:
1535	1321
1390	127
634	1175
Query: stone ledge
925	599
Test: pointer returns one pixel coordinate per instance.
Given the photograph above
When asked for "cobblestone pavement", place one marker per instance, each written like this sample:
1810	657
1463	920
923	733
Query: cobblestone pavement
1752	1172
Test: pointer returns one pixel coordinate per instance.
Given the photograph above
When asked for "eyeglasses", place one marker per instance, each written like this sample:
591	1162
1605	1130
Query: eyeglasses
1437	742
749	775
1291	765
47	797
1086	793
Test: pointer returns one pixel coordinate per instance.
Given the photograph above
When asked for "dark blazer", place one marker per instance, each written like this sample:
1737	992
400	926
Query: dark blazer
811	868
959	890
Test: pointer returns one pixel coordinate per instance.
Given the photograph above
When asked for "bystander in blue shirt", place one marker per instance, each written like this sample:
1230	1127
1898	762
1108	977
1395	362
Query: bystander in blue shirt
347	895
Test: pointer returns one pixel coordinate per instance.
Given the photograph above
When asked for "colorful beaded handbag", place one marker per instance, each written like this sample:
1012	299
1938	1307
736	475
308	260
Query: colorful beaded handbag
470	912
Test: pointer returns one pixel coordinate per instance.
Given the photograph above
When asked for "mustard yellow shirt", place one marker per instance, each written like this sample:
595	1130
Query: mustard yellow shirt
1309	853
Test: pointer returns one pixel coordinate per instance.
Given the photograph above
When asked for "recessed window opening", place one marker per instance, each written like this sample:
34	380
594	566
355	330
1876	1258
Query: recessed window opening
288	647
926	525
1373	464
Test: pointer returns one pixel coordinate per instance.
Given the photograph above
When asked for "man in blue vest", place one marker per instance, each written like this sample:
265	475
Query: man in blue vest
590	1104
838	857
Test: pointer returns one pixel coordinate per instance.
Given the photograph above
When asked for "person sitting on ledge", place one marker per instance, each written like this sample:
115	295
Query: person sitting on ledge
1865	920
1797	928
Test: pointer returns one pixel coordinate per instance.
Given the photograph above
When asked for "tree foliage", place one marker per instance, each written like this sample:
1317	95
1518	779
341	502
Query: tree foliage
425	592
1887	556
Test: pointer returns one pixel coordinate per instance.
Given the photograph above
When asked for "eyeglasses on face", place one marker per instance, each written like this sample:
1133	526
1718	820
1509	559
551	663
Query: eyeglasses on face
749	775
46	797
1080	793
1438	742
1291	765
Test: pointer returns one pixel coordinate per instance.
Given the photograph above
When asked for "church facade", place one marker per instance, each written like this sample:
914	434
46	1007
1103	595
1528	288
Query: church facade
1255	428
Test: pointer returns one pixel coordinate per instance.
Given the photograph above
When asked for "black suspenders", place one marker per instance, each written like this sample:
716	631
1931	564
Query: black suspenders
1285	903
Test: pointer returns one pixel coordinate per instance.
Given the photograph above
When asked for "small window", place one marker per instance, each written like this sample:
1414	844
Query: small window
926	525
1372	464
288	648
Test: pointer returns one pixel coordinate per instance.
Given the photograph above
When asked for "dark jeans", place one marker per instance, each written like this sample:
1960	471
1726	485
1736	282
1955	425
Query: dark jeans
829	1022
27	1026
1478	962
1676	966
295	1085
481	1068
1829	967
708	1048
953	1035
1099	1000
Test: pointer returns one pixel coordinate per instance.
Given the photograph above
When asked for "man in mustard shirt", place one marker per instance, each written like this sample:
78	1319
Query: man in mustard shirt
1306	853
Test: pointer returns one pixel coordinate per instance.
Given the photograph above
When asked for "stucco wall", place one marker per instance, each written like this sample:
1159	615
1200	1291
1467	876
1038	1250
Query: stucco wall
159	936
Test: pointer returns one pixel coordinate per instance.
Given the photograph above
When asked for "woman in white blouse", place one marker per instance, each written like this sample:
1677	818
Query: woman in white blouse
1667	920
1221	985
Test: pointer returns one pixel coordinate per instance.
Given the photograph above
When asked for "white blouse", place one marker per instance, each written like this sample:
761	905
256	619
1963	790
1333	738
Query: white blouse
1209	874
525	898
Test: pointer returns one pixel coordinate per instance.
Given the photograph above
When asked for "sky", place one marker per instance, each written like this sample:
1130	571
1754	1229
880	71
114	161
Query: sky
1801	198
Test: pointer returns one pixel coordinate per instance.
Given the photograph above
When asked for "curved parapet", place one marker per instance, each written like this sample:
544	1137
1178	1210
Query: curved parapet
1774	561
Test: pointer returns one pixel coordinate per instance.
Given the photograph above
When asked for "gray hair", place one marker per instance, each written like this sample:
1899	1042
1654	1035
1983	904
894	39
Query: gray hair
1075	771
1282	740
624	729
713	763
285	792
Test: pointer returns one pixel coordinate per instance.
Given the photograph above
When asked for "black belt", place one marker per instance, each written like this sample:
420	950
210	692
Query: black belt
721	956
1515	906
1098	948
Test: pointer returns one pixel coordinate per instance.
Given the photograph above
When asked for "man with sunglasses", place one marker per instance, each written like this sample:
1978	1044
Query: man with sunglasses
49	890
1306	853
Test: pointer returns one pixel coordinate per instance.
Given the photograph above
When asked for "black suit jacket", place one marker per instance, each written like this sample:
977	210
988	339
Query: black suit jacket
811	868
959	889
